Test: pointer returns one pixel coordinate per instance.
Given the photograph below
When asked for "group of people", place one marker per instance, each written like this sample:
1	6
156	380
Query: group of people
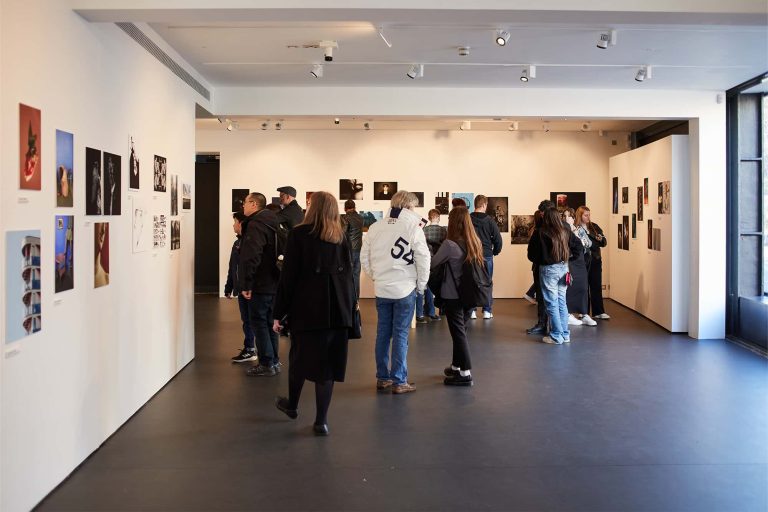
301	271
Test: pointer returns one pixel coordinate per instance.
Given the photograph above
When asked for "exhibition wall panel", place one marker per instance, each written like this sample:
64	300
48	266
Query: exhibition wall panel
524	167
650	270
121	324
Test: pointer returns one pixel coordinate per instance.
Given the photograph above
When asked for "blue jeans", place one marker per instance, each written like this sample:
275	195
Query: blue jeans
356	272
392	330
489	266
425	304
248	341
260	309
553	290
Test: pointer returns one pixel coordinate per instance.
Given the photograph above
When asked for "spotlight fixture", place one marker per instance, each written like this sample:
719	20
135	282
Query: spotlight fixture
643	73
502	37
466	125
585	127
367	126
279	125
265	125
384	38
463	51
605	39
546	127
528	73
230	126
317	71
415	71
514	126
336	120
328	47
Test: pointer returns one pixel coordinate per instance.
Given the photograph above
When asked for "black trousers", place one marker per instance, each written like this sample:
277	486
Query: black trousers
541	308
596	286
458	317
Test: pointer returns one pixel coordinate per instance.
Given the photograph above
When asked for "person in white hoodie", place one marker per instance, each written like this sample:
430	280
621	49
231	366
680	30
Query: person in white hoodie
396	257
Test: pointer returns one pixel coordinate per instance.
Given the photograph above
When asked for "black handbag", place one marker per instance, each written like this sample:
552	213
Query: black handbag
356	331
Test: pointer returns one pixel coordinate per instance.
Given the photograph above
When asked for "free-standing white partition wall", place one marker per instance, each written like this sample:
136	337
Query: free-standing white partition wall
651	273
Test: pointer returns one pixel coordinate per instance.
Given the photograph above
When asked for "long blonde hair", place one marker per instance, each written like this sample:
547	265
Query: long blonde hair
579	214
323	216
460	228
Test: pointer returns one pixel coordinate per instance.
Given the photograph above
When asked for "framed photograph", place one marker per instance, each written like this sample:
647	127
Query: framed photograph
625	195
384	190
161	173
634	226
520	228
620	237
640	203
112	184
175	235
174	194
645	190
133	167
23	280
159	231
664	197
442	203
30	148
101	252
350	189
94	200
64	257
64	165
186	196
615	183
498	209
420	197
565	200
650	234
625	232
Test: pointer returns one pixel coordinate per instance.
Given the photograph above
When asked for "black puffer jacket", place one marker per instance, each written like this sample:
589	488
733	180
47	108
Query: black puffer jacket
257	271
290	216
353	227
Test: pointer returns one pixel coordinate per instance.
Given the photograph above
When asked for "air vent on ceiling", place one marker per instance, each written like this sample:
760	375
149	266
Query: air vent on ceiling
149	45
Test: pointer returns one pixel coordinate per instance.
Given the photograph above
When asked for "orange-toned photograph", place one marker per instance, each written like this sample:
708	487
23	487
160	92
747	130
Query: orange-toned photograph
30	148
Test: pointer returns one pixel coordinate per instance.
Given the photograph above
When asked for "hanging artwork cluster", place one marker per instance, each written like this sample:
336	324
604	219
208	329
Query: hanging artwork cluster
664	207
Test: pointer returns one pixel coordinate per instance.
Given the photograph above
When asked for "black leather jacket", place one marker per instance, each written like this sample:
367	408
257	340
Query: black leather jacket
353	228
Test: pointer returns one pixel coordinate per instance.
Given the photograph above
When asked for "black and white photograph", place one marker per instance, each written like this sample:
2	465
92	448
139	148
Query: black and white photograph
133	167
650	234
384	190
615	183
238	198
442	202
174	194
657	239
161	173
498	209
664	198
625	195
186	196
112	184
565	200
94	200
159	231
350	189
625	231
640	203
420	196
175	235
520	227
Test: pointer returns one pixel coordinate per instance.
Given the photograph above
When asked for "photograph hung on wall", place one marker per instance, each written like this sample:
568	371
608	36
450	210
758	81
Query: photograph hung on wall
141	229
186	196
656	239
30	148
94	199
174	194
625	232
664	197
615	183
64	253
101	254
520	227
645	190
620	237
639	203
442	202
238	198
133	167
384	190
350	189
420	197
563	200
625	195
370	218
113	184
650	234
161	173
23	304
634	226
498	209
64	164
159	231
467	197
175	235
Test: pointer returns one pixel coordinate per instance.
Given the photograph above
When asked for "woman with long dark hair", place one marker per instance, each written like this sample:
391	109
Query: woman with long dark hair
578	265
317	263
461	244
595	279
551	246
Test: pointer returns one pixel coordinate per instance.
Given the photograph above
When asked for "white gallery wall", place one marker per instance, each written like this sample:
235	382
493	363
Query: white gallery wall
101	352
654	281
523	166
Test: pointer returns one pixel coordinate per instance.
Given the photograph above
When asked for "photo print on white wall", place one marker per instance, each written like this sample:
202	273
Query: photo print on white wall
420	197
238	198
94	200
186	196
467	197
639	203
625	232
30	148
160	173
498	209
101	254
141	225
664	198
625	195
64	166
64	253
615	194
565	200
442	202
23	280
159	231
520	227
174	194
112	184
133	167
175	235
384	190
350	189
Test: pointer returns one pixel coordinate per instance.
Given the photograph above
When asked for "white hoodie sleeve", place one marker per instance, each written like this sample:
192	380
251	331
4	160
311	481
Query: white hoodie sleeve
365	256
422	259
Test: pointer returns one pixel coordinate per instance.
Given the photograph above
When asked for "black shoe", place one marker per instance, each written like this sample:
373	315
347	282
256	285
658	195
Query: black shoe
458	380
421	320
244	356
537	329
435	317
284	405
320	430
261	371
450	372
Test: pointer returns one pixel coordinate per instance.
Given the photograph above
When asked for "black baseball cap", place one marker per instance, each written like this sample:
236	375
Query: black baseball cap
288	190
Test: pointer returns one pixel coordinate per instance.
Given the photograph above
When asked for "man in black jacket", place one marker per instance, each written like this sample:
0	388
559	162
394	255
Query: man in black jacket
257	279
248	353
488	232
353	228
291	214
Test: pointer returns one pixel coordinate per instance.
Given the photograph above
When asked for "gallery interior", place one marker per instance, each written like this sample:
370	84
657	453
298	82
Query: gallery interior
131	129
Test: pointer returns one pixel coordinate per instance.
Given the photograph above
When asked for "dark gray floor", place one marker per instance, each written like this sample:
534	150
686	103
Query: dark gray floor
626	418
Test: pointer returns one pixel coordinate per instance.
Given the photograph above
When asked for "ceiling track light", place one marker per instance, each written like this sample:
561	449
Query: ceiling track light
529	72
336	120
384	38
230	126
367	126
514	126
502	37
607	38
265	125
317	71
585	127
546	127
465	126
279	125
415	71
643	73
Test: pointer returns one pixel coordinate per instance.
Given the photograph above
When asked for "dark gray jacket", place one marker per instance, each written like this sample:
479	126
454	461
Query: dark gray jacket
290	216
488	232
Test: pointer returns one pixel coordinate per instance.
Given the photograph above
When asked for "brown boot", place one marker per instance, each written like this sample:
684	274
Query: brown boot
406	387
384	385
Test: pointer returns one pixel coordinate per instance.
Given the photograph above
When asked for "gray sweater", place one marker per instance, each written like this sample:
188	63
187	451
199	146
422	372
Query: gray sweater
451	252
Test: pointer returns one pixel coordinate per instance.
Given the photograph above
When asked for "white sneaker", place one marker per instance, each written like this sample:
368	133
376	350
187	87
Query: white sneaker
587	320
474	315
529	298
572	320
567	340
487	315
604	316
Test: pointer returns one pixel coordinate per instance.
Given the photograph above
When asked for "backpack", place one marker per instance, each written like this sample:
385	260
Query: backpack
281	242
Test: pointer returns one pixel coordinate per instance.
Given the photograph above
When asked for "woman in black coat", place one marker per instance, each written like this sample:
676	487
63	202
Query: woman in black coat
596	267
316	294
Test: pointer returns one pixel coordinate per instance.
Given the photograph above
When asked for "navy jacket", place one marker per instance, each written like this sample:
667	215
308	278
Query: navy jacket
488	232
230	288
